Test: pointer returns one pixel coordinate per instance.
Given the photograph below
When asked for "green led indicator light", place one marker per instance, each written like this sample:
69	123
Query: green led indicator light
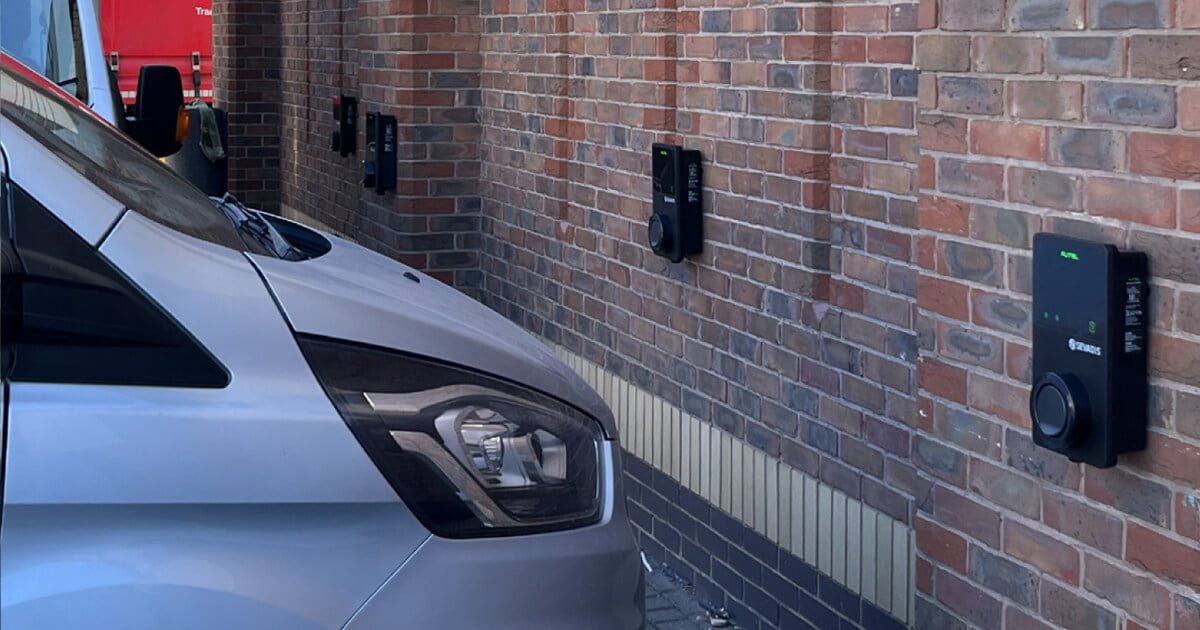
1069	255
663	153
1092	327
1057	318
1046	315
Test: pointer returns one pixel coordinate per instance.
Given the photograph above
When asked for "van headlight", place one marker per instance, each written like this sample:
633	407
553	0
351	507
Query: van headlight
470	454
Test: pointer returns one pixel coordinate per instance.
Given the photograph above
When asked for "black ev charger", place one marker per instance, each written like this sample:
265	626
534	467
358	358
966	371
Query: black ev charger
1090	309
379	168
676	226
345	136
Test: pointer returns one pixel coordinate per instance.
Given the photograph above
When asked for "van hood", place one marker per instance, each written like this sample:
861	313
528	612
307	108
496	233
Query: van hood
359	295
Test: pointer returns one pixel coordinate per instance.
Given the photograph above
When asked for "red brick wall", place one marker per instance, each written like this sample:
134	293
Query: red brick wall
1054	115
246	81
319	62
793	329
280	67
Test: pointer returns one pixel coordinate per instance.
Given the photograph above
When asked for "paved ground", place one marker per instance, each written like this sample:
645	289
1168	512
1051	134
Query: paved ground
671	605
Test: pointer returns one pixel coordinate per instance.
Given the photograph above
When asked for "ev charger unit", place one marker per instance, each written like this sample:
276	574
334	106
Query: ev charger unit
1090	309
676	228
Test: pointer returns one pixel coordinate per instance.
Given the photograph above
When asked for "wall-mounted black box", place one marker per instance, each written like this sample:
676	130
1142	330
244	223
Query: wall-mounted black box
345	115
1090	310
676	228
379	168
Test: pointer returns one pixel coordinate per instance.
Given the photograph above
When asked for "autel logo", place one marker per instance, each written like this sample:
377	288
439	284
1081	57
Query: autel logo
1079	346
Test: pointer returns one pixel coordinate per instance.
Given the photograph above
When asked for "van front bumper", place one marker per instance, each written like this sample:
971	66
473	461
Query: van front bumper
578	579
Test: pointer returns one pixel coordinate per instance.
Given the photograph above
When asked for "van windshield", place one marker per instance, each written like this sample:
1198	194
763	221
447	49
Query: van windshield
44	35
111	161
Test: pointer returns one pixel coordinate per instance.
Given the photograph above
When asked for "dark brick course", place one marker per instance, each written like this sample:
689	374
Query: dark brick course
740	567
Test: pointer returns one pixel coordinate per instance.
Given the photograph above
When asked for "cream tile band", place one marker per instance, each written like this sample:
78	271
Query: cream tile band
857	546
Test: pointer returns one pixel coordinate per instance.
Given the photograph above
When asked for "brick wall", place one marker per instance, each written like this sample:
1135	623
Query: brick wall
280	66
1077	118
793	330
246	82
319	63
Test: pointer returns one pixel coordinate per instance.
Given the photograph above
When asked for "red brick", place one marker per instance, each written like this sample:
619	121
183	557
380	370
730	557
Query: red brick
999	398
1163	56
890	49
1005	488
967	515
924	576
890	113
1187	514
748	20
1170	458
942	545
971	179
942	133
1189	105
1083	522
849	48
942	379
943	296
940	214
1139	596
927	96
1045	188
1162	556
970	95
1053	100
1018	141
943	53
1048	554
927	172
968	600
927	14
972	15
1018	362
893	178
1164	155
1007	55
1127	200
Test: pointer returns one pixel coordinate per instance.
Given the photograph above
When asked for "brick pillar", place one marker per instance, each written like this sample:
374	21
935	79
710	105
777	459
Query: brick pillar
1077	118
246	77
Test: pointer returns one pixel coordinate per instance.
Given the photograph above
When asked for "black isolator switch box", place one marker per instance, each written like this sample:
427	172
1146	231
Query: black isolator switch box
1090	309
379	169
676	225
345	136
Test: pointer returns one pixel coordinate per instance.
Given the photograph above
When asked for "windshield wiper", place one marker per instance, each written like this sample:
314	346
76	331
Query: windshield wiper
251	223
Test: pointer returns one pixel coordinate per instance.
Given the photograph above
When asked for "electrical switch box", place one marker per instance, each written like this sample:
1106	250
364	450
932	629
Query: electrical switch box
345	135
1090	311
379	169
676	227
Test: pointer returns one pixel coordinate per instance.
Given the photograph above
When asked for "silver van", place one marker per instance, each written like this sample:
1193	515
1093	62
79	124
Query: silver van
217	418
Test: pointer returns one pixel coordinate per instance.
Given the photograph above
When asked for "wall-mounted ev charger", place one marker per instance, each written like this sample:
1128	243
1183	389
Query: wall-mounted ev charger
676	228
1090	309
379	168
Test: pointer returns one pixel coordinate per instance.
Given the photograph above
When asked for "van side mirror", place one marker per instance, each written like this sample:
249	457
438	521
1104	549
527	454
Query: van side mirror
158	108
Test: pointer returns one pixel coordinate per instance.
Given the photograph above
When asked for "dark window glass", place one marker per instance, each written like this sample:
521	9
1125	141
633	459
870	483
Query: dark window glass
71	317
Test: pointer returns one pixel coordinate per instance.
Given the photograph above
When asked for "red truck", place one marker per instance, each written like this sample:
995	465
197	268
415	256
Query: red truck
159	32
